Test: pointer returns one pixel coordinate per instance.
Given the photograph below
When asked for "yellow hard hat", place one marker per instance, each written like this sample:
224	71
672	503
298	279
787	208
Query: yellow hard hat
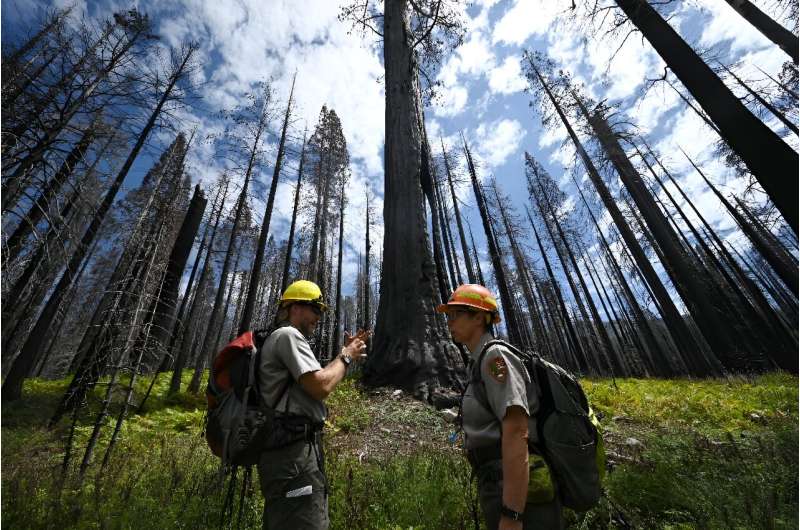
304	291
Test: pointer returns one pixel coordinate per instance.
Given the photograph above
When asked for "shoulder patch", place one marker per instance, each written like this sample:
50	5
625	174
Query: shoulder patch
497	369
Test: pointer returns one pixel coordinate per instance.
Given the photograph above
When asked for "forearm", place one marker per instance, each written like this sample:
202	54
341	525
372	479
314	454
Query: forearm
320	384
515	465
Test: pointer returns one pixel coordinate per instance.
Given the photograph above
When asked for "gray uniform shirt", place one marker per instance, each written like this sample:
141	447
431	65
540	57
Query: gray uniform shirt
285	356
507	383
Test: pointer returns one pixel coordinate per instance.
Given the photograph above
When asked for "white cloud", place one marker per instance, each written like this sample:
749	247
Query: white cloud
725	24
452	101
526	18
507	78
498	140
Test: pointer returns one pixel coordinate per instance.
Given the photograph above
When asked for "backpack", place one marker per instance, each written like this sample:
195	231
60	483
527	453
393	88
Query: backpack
236	420
569	439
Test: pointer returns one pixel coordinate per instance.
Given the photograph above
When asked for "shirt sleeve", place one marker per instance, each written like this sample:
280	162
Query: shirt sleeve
295	353
506	381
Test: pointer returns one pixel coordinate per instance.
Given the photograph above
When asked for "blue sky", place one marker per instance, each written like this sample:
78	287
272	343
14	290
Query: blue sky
246	41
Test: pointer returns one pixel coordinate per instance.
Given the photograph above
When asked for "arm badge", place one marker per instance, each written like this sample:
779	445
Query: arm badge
498	370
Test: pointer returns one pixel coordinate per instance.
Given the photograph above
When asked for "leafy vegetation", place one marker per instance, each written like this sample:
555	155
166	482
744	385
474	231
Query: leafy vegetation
716	453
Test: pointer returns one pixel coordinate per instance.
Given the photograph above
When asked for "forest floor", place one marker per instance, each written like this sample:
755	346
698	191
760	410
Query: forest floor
718	453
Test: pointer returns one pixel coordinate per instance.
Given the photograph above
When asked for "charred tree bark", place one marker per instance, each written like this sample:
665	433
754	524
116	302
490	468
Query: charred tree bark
411	347
186	340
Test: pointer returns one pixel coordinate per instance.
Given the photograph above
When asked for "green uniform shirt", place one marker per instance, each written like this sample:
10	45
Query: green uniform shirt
285	356
507	383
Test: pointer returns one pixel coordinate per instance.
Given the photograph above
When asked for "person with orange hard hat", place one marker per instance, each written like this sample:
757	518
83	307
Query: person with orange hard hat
498	411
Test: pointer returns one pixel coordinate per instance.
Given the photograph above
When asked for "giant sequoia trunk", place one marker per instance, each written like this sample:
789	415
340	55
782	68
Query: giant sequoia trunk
411	348
771	161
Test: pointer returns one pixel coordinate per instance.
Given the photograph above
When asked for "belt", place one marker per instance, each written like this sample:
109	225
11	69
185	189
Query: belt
480	455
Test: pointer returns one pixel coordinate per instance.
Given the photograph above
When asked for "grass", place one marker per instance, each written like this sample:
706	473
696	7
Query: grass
682	454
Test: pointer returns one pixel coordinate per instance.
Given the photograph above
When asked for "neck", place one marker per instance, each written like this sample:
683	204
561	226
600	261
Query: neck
472	342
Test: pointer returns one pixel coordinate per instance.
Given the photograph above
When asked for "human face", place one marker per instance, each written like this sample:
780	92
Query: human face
465	325
305	317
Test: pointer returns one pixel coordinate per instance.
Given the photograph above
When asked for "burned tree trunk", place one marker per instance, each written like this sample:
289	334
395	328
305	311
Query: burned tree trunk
411	347
12	385
247	314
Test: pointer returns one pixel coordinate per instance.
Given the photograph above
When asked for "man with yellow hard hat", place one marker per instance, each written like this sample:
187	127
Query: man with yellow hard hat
292	382
498	413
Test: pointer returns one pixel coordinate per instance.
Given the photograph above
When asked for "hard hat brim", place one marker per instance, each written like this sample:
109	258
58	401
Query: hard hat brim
442	308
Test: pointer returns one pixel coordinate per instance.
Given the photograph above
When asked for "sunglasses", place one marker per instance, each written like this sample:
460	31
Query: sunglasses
453	315
315	308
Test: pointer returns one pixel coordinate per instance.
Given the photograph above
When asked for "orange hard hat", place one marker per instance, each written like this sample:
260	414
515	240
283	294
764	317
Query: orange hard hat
475	296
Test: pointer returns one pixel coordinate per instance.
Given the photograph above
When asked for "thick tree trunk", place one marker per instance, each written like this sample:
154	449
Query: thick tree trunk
771	161
411	347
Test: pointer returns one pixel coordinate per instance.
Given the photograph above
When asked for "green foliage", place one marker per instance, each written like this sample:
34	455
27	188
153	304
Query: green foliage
683	454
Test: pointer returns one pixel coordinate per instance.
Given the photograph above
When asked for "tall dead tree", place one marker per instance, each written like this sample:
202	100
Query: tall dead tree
411	347
771	161
494	251
247	314
471	276
12	385
290	242
687	345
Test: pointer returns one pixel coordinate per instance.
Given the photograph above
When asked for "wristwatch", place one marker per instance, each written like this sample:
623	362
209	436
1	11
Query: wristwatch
346	359
511	514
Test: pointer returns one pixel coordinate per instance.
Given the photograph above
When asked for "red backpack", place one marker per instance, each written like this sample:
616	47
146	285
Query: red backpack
236	418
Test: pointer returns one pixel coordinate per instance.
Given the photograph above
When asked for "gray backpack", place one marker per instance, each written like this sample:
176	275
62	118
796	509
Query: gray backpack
569	439
239	425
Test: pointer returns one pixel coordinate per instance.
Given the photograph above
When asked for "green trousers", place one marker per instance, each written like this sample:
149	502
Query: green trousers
294	487
544	516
